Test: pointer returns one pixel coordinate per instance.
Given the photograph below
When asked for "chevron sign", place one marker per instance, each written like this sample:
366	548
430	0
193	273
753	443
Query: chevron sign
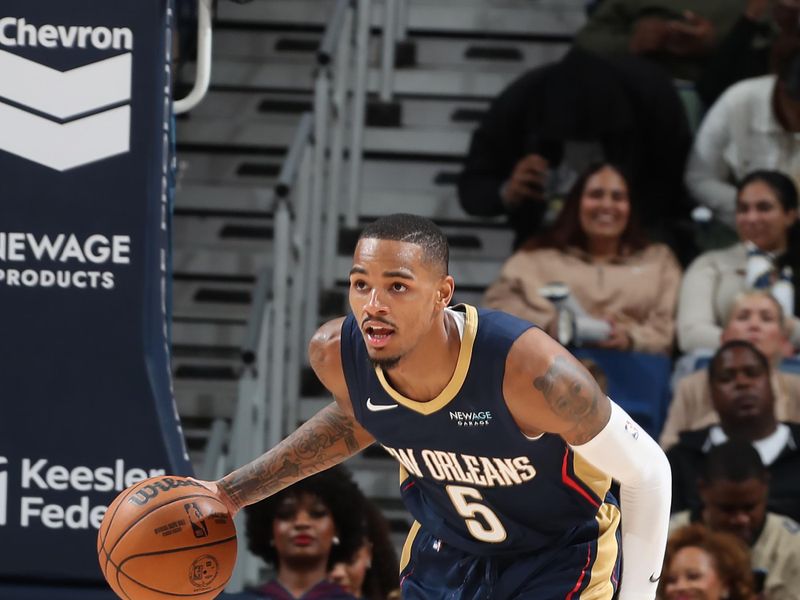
63	120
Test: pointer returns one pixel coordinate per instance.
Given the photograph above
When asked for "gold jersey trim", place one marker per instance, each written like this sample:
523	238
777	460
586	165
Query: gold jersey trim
601	586
456	381
595	479
405	555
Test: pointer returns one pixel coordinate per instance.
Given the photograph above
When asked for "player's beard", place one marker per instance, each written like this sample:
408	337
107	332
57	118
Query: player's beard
387	363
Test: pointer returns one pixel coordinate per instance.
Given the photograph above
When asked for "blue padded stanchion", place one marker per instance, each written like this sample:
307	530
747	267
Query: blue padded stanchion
87	405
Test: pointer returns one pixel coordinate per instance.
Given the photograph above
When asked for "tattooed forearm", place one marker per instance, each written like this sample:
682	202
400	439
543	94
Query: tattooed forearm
574	397
326	439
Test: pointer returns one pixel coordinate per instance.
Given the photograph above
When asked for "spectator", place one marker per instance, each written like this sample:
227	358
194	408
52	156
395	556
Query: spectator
766	222
756	317
597	249
703	564
734	488
742	396
371	574
664	31
754	125
302	531
550	123
745	51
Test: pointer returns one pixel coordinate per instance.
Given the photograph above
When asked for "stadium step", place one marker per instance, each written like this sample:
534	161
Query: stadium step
237	168
416	141
461	81
506	18
294	46
274	107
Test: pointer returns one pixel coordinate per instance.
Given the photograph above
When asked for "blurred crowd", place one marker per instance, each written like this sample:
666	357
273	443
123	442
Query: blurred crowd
651	179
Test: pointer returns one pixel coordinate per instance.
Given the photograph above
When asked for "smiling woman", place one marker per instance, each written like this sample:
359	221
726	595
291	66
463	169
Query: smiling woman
766	221
705	564
597	250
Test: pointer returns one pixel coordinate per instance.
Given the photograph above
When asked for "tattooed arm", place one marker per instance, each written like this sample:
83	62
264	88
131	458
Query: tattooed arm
547	390
328	438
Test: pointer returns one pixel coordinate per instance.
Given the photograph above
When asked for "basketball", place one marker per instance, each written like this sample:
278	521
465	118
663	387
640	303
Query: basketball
167	537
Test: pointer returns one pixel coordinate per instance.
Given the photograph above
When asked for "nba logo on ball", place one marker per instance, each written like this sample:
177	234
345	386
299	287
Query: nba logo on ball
196	519
204	571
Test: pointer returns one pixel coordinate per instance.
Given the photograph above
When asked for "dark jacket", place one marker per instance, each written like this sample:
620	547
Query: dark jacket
687	456
625	103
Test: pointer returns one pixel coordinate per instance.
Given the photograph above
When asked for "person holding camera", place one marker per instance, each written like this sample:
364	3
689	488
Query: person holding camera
622	290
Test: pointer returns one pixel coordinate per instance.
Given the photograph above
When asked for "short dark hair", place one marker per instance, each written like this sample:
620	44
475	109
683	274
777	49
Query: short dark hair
780	183
734	460
414	229
337	490
713	366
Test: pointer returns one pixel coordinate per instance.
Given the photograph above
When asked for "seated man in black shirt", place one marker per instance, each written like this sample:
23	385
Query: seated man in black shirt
742	395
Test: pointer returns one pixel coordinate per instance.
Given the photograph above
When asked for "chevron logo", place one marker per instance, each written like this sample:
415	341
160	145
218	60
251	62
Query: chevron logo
64	120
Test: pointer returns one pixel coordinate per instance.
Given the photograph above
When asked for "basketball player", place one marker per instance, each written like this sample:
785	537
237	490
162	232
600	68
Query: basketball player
506	445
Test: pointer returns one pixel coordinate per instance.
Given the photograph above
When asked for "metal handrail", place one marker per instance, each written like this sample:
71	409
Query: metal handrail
202	76
359	111
330	39
341	85
249	349
291	164
386	91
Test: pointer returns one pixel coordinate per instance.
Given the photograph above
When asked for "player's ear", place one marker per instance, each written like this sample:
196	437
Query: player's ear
444	292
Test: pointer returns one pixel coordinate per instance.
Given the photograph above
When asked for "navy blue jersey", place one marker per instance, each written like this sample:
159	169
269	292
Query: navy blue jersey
469	476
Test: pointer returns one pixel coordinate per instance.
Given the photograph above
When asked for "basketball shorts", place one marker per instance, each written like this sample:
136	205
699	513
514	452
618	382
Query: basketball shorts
433	570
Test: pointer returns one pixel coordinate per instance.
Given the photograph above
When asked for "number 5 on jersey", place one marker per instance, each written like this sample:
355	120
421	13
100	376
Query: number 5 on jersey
492	531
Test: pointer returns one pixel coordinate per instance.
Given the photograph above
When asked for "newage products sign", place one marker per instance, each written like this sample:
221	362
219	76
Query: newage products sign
87	405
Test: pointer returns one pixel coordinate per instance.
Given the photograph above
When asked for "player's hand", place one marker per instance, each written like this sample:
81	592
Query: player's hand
693	36
649	35
214	487
527	181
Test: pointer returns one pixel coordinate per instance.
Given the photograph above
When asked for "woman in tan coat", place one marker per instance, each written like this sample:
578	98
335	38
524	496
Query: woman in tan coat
598	251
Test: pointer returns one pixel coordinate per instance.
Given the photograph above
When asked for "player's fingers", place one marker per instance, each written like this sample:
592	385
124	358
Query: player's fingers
214	487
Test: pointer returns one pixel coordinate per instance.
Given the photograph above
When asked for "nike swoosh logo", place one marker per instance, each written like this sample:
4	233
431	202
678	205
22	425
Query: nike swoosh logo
379	407
654	579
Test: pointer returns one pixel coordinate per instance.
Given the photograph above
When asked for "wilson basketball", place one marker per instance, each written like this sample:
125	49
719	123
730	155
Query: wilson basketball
167	537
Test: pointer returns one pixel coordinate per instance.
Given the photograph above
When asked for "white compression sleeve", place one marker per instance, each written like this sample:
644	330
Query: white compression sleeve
627	453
